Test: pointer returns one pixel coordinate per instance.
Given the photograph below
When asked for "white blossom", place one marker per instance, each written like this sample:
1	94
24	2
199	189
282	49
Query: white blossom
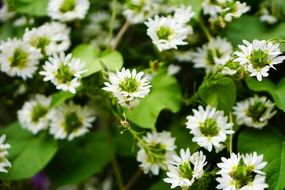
4	162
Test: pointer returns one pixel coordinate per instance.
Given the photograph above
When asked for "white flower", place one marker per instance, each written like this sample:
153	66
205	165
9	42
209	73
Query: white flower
173	69
211	8
128	87
254	112
68	10
212	55
184	170
258	57
156	152
210	128
267	17
18	58
235	11
4	162
63	71
50	38
70	121
183	56
33	116
242	172
167	32
183	14
5	13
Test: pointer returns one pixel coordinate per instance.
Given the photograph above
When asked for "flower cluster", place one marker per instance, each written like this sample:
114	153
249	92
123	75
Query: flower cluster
4	162
242	172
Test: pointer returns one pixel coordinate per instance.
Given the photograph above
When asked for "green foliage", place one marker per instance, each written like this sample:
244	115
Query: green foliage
79	159
276	91
219	93
28	154
236	32
272	145
165	94
30	7
95	61
60	97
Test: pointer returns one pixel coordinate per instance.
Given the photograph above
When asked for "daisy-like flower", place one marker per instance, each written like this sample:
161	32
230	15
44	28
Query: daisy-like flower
4	162
210	128
183	14
19	58
33	116
63	71
167	32
242	172
5	13
254	112
70	121
68	10
156	151
212	55
50	38
258	57
267	17
128	87
186	169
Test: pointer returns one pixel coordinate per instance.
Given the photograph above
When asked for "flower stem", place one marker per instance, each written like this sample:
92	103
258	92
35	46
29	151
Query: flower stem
115	42
112	20
205	29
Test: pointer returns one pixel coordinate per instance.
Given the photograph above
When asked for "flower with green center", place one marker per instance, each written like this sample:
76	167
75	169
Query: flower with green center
128	87
67	5
70	121
254	112
210	128
33	116
19	58
156	149
164	33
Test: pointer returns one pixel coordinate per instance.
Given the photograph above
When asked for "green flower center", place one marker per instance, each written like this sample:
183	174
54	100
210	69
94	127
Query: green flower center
164	33
256	111
209	128
129	85
40	43
185	170
64	74
19	58
72	122
259	58
67	5
156	153
38	112
243	175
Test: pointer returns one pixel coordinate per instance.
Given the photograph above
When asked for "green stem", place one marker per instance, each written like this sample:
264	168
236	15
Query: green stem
117	39
113	19
204	29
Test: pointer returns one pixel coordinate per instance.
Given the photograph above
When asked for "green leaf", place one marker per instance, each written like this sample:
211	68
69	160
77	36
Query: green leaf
276	91
28	154
79	159
165	94
236	32
30	7
219	93
60	97
272	145
94	60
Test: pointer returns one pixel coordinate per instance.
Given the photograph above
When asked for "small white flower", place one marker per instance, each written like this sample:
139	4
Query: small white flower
210	128
63	71
173	69
267	17
50	38
167	32
183	56
156	152
184	170
4	162
33	116
254	112
68	10
128	87
213	54
5	13
242	172
235	11
211	8
18	58
183	14
258	57
70	121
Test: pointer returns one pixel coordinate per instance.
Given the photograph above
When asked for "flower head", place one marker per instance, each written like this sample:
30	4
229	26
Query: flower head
128	87
4	162
19	58
63	71
185	169
68	10
254	112
156	152
70	121
258	57
33	116
210	128
242	172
